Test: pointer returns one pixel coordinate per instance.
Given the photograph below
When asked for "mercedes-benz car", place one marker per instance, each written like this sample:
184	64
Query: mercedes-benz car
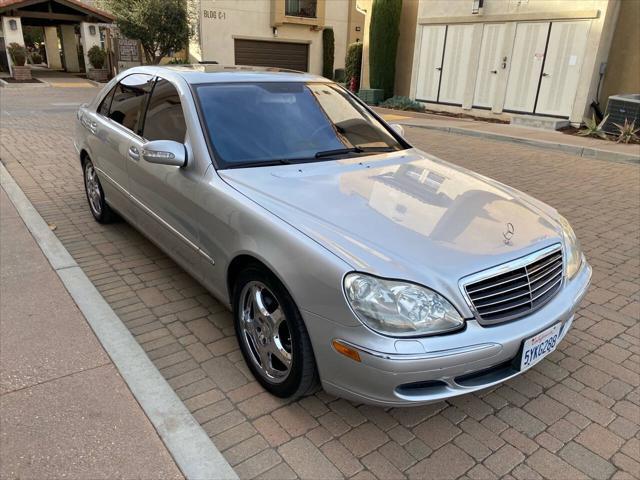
350	259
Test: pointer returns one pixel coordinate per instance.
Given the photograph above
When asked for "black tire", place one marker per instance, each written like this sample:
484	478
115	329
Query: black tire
302	378
96	199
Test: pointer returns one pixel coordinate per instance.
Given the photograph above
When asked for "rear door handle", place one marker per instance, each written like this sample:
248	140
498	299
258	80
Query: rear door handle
89	124
134	154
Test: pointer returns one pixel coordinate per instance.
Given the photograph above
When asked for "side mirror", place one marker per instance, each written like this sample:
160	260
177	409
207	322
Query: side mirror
165	152
398	128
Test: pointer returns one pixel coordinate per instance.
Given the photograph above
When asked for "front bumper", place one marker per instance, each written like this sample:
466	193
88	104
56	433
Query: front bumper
430	369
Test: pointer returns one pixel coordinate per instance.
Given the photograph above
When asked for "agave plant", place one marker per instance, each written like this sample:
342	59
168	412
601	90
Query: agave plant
627	132
594	129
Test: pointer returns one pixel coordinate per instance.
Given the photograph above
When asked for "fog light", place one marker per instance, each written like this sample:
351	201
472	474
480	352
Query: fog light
352	353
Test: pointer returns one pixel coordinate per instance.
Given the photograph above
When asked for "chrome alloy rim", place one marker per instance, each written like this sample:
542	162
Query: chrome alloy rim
93	189
265	332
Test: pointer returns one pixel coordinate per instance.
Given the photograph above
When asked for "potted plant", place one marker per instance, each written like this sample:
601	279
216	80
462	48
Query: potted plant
97	58
20	69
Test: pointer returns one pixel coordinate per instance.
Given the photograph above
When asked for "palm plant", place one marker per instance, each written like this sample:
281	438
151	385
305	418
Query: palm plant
627	132
594	129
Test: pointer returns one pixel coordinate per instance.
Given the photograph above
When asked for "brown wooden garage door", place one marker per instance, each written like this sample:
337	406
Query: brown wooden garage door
294	56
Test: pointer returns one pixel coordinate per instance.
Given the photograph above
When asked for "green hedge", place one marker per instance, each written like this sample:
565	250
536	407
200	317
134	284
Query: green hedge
328	52
353	64
384	31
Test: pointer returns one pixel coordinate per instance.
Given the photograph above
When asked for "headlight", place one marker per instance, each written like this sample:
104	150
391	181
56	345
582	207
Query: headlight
572	249
399	309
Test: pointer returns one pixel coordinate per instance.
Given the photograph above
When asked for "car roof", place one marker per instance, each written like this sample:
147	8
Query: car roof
214	73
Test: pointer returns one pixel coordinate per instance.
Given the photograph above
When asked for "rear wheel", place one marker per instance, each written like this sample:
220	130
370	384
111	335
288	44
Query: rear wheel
272	334
95	195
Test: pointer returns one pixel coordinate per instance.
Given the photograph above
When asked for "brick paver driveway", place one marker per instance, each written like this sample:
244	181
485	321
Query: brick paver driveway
576	414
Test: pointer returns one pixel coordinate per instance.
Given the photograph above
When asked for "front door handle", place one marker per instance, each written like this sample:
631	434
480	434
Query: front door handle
134	154
494	71
546	74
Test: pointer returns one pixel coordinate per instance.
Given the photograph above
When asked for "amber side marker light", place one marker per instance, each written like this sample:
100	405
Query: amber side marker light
352	353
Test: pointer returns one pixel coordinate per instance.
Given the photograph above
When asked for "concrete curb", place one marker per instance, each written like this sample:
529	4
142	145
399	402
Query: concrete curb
5	84
587	152
191	448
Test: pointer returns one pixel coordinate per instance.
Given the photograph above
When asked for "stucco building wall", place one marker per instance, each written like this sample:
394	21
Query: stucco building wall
623	67
254	20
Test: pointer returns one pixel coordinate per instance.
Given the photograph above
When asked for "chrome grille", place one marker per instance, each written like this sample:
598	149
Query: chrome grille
516	289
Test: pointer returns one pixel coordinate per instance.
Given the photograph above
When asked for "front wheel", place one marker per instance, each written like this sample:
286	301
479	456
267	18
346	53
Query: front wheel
95	195
272	335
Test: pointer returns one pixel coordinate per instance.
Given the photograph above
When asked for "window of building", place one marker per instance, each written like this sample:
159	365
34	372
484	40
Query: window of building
301	8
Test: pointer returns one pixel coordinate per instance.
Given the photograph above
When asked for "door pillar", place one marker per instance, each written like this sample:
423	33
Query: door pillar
12	31
69	48
52	48
89	37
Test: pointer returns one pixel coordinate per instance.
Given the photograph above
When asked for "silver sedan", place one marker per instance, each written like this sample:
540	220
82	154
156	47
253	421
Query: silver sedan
350	259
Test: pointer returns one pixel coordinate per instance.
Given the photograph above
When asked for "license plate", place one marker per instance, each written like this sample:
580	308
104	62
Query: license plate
539	346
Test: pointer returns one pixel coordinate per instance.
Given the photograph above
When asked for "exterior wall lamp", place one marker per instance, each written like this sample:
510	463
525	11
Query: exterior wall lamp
13	25
92	29
477	7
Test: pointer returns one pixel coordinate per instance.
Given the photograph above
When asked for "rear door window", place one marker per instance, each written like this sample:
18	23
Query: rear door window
164	119
129	100
103	109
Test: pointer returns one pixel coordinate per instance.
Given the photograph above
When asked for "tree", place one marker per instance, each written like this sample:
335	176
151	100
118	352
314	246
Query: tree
384	31
353	65
328	52
160	25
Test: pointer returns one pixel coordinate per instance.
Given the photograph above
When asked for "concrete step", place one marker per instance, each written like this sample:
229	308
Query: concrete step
533	121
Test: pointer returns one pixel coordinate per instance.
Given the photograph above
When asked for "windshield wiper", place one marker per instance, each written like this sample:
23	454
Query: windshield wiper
262	163
345	151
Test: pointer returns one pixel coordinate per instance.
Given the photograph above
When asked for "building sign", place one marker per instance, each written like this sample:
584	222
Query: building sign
214	14
128	50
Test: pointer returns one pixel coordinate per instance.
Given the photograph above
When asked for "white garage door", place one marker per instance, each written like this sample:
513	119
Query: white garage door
456	64
526	66
494	52
562	66
430	62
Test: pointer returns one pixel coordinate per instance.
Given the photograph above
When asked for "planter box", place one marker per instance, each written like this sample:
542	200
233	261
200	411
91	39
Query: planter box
21	73
371	96
98	75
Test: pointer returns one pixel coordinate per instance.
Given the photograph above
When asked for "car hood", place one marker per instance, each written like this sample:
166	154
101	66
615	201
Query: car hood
405	214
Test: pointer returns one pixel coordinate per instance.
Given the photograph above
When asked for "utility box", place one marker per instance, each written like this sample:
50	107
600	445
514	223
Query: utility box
371	96
621	107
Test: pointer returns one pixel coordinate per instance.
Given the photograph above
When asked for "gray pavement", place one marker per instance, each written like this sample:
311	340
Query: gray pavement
64	409
574	145
574	415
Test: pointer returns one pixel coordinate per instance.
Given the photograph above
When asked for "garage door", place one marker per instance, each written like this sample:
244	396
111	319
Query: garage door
294	56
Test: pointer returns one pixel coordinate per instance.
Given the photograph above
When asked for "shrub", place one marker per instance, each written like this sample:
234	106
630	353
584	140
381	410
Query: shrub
36	58
627	132
97	57
177	61
353	64
403	103
383	44
18	54
328	52
594	129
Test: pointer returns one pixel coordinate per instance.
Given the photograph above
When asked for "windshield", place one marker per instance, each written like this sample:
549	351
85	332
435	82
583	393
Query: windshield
254	124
